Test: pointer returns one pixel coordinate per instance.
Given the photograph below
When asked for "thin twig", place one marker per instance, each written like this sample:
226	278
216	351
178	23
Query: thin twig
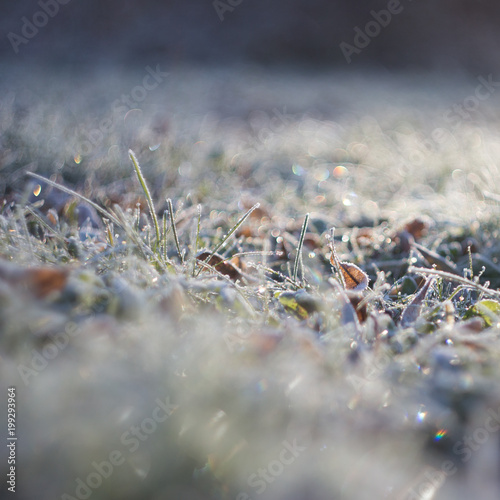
456	278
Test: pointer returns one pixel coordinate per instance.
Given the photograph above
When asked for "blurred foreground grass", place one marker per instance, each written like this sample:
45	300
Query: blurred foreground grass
143	371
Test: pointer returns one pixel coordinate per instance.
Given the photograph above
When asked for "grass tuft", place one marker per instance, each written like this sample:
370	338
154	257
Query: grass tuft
226	238
145	189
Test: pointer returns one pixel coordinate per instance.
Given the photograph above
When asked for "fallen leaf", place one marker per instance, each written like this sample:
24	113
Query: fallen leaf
352	277
413	309
487	310
301	303
355	279
40	281
359	306
221	265
417	227
45	280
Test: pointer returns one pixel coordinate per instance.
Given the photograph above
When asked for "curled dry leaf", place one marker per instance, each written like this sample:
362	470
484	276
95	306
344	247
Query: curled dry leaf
353	277
221	265
359	305
413	309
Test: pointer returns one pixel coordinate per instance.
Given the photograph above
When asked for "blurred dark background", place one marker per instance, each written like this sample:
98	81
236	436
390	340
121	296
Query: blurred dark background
425	34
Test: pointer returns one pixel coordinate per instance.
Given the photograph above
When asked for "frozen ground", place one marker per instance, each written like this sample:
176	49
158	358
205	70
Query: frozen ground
137	376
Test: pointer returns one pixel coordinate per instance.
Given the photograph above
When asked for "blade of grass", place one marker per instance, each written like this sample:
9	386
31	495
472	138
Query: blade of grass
298	256
141	245
132	232
22	219
256	252
229	234
197	237
164	238
27	235
470	263
109	232
334	259
174	229
145	188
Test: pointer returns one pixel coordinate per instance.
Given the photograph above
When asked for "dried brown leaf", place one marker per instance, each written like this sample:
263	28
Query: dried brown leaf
221	265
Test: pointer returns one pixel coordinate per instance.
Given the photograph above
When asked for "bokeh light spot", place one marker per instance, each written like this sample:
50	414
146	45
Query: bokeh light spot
340	171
